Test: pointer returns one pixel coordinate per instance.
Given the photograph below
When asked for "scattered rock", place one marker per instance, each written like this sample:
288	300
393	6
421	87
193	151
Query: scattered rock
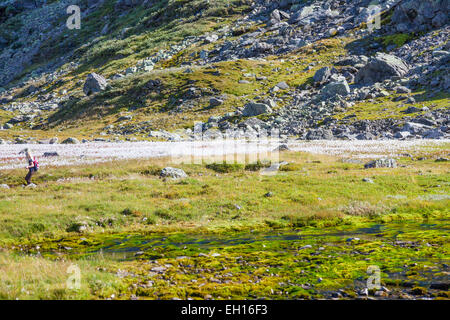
322	75
71	141
282	147
50	154
282	85
320	134
254	109
215	102
339	87
173	173
94	83
382	66
54	140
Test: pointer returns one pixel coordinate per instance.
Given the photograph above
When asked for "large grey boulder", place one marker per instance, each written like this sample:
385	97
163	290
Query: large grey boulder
322	75
94	83
415	128
381	67
381	163
320	134
4	186
433	134
339	87
253	109
215	102
173	173
419	15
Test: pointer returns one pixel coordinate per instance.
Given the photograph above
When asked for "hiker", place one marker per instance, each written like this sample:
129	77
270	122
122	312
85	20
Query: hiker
33	165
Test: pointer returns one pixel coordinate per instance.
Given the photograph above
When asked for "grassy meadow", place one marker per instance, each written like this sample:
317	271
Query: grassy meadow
226	231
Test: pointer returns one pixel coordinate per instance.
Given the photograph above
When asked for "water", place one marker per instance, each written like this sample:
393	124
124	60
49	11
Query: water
126	247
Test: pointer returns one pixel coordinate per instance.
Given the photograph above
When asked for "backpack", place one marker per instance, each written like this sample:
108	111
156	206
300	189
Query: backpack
36	164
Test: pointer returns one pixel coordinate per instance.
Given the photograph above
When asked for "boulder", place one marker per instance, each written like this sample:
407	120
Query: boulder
402	89
215	102
381	67
418	15
50	154
433	134
282	85
312	14
94	83
354	61
253	109
282	147
21	118
4	186
339	87
319	134
173	173
322	75
381	163
211	38
71	141
415	128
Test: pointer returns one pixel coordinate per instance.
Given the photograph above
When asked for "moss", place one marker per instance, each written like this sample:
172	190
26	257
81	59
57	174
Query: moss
286	264
398	39
291	167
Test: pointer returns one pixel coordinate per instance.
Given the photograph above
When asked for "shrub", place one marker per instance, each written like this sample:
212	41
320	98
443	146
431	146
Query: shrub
164	214
257	166
291	167
225	167
131	212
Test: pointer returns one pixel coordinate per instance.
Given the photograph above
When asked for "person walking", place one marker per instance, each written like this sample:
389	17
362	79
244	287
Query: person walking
33	165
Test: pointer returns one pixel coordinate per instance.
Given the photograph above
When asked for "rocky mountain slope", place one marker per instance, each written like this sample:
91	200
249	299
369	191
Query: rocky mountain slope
149	69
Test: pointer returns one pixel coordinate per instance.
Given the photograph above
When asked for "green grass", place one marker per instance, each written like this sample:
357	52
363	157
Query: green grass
317	195
36	278
385	108
398	39
305	188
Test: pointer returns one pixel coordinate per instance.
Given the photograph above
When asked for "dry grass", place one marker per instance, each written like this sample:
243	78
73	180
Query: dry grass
33	277
365	209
